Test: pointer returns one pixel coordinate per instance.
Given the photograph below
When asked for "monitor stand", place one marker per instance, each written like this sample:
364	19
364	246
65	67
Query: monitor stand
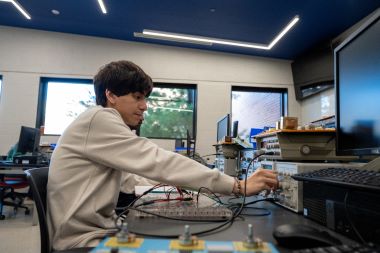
373	165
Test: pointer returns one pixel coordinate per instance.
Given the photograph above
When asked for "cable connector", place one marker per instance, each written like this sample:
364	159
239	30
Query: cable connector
123	236
186	239
250	242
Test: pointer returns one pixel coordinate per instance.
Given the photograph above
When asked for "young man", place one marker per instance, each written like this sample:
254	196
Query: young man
98	156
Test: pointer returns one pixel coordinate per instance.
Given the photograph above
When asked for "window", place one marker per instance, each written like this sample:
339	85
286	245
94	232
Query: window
171	107
171	112
61	100
257	107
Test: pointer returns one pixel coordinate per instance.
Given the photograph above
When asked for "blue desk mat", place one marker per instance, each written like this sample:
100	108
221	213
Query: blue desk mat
142	245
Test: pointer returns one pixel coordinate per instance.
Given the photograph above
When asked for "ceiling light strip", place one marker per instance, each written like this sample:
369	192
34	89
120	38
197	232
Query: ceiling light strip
18	7
146	36
284	31
178	36
102	6
190	38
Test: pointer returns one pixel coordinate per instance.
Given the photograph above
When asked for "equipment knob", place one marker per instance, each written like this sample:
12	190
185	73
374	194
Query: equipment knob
305	149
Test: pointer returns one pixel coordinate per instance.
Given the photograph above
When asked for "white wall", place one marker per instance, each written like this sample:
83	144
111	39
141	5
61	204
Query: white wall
26	55
318	106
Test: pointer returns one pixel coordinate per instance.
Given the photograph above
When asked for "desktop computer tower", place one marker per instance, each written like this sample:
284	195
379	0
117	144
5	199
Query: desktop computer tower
343	210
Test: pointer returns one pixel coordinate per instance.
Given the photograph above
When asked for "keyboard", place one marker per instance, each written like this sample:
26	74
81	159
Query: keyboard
359	179
360	248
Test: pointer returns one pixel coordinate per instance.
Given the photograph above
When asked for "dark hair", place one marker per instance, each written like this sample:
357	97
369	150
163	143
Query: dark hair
121	78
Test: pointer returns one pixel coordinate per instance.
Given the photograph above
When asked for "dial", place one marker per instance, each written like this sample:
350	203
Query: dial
305	150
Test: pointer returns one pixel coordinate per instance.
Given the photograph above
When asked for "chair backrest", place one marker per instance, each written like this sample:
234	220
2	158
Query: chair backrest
38	179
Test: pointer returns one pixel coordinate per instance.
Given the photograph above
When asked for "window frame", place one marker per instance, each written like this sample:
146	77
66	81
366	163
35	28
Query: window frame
42	96
180	86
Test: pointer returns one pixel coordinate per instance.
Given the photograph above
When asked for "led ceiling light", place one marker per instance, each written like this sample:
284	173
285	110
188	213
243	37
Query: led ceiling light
209	41
146	36
102	6
18	7
284	31
55	12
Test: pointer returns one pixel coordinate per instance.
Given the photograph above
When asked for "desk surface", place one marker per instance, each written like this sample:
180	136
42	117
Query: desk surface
8	164
263	225
8	168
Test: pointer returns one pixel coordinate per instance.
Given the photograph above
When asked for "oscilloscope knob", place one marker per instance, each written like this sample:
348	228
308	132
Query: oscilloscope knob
305	149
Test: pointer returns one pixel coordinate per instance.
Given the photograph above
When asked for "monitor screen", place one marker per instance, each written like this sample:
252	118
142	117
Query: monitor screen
357	80
235	129
223	127
29	140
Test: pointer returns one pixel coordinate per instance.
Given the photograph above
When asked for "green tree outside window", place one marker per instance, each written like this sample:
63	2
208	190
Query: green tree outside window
170	113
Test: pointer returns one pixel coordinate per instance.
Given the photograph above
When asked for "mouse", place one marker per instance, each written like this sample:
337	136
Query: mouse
299	236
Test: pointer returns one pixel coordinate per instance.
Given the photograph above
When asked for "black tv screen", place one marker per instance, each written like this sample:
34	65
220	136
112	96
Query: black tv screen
29	140
357	77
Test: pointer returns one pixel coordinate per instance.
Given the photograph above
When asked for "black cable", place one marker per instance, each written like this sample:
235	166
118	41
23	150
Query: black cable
222	226
349	218
150	202
234	205
129	207
205	188
260	200
243	204
125	211
245	182
208	231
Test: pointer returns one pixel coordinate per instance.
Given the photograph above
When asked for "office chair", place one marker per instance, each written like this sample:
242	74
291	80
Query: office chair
38	178
8	185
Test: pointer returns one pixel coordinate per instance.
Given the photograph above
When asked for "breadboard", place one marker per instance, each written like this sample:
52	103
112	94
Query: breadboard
186	213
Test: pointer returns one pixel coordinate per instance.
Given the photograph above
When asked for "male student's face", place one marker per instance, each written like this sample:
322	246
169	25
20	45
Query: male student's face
131	107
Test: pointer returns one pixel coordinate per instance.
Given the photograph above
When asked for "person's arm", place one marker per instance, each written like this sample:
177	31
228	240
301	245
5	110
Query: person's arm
112	144
129	182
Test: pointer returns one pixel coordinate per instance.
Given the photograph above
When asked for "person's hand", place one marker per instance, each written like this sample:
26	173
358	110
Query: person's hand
260	180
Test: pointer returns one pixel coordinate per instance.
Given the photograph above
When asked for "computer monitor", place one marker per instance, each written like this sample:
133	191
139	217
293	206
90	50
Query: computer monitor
235	129
29	140
223	127
357	85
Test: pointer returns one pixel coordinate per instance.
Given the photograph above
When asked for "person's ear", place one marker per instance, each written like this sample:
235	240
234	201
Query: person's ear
110	97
